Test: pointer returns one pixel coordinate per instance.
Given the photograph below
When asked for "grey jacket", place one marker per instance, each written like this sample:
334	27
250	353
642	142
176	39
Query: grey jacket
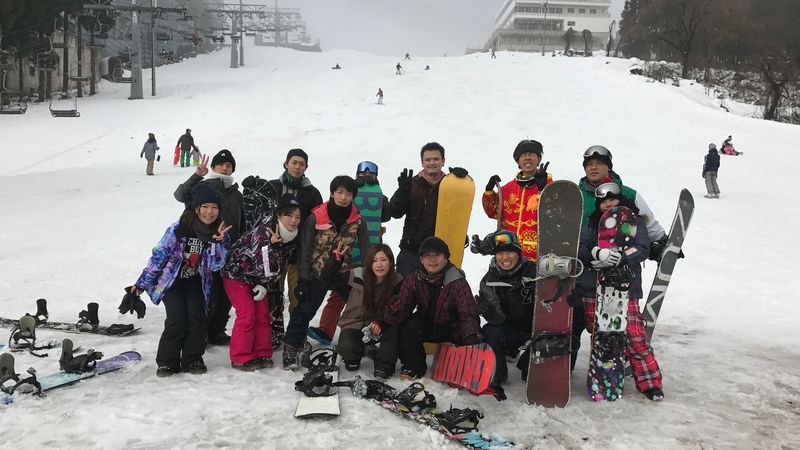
149	150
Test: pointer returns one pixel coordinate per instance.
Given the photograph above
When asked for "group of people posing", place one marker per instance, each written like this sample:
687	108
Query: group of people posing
233	249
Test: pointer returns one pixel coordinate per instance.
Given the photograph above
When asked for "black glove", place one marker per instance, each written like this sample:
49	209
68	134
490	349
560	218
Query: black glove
249	181
302	290
492	182
473	339
158	158
657	249
141	156
574	299
131	302
460	172
540	178
404	180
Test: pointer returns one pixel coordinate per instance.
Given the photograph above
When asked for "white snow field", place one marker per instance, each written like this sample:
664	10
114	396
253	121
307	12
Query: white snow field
80	218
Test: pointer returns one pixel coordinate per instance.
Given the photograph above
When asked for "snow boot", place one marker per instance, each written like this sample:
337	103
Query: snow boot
291	357
655	394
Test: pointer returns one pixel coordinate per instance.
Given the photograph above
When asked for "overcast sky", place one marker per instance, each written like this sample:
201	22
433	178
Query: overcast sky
394	27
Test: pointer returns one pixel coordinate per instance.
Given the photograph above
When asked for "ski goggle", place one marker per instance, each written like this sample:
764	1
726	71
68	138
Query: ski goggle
606	189
504	237
367	166
596	150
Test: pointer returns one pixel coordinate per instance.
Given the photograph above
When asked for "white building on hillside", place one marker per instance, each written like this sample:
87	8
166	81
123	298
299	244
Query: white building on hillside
521	24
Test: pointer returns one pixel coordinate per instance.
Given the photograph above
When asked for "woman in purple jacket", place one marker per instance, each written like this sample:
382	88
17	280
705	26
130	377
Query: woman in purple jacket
179	274
255	261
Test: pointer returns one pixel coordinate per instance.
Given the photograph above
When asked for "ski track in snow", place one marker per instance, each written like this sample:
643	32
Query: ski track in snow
82	217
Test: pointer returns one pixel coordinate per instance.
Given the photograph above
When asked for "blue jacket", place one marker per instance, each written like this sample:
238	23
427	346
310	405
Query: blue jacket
164	265
711	162
634	258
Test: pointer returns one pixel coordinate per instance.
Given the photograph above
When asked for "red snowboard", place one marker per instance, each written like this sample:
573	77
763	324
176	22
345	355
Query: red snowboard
469	367
177	155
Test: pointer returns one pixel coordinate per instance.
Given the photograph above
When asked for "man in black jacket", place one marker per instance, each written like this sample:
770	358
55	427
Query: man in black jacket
186	143
232	212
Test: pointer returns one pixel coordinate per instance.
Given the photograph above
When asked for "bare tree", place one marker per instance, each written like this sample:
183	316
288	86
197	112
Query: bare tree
610	37
676	23
587	41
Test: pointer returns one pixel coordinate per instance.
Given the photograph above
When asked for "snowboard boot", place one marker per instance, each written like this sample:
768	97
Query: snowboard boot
352	366
41	315
249	366
265	362
197	367
291	357
165	371
87	319
407	374
655	394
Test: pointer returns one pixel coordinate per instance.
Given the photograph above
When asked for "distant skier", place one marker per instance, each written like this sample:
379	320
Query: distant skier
493	55
408	56
149	151
336	67
380	96
710	168
399	69
727	147
427	67
186	143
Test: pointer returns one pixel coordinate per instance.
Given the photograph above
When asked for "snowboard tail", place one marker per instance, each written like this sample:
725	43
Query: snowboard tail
469	367
452	214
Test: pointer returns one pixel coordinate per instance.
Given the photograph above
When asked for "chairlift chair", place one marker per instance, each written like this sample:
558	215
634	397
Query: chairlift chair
47	61
118	76
7	60
13	103
61	111
163	36
85	67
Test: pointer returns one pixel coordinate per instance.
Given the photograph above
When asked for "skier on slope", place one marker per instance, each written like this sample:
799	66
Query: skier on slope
399	69
521	196
179	273
327	238
149	152
254	262
505	300
646	373
368	290
597	165
710	168
366	173
380	96
232	211
186	144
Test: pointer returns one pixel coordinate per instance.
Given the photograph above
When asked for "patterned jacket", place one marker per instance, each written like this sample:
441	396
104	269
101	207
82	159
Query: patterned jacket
520	213
319	238
455	306
165	264
245	259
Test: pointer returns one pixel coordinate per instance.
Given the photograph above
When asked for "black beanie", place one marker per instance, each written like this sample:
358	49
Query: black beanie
205	193
345	182
288	201
434	245
528	146
222	157
296	152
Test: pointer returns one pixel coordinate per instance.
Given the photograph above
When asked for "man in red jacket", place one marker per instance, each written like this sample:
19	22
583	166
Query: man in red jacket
520	208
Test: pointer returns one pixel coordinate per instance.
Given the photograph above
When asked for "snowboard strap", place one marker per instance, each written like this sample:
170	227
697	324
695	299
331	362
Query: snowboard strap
321	358
77	364
35	387
617	277
23	336
118	329
316	383
369	389
546	346
458	421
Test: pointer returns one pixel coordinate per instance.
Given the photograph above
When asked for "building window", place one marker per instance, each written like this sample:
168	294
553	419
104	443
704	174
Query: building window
592	11
582	11
571	10
570	23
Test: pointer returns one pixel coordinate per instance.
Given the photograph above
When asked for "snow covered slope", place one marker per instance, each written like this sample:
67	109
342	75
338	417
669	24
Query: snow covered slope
80	218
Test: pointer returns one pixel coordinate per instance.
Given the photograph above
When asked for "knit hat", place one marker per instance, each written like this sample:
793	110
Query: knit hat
712	146
288	201
296	152
345	182
599	153
433	245
205	193
222	157
527	146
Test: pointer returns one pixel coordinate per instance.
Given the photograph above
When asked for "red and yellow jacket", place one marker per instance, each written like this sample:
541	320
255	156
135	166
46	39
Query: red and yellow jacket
520	213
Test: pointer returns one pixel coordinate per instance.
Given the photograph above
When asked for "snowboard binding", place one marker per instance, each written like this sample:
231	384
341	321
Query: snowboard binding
23	337
316	383
321	358
459	421
547	346
7	373
87	319
415	398
369	389
77	364
618	277
41	315
551	265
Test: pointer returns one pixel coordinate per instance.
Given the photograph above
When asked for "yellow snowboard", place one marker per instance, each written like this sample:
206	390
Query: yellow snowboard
452	214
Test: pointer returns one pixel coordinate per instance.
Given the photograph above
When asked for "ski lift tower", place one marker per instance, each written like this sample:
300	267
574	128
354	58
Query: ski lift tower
236	12
135	10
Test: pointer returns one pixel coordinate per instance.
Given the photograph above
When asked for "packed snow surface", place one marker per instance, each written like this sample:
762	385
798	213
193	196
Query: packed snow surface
80	218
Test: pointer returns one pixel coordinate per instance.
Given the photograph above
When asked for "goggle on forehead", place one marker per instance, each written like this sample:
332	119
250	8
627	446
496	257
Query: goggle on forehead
367	166
606	189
